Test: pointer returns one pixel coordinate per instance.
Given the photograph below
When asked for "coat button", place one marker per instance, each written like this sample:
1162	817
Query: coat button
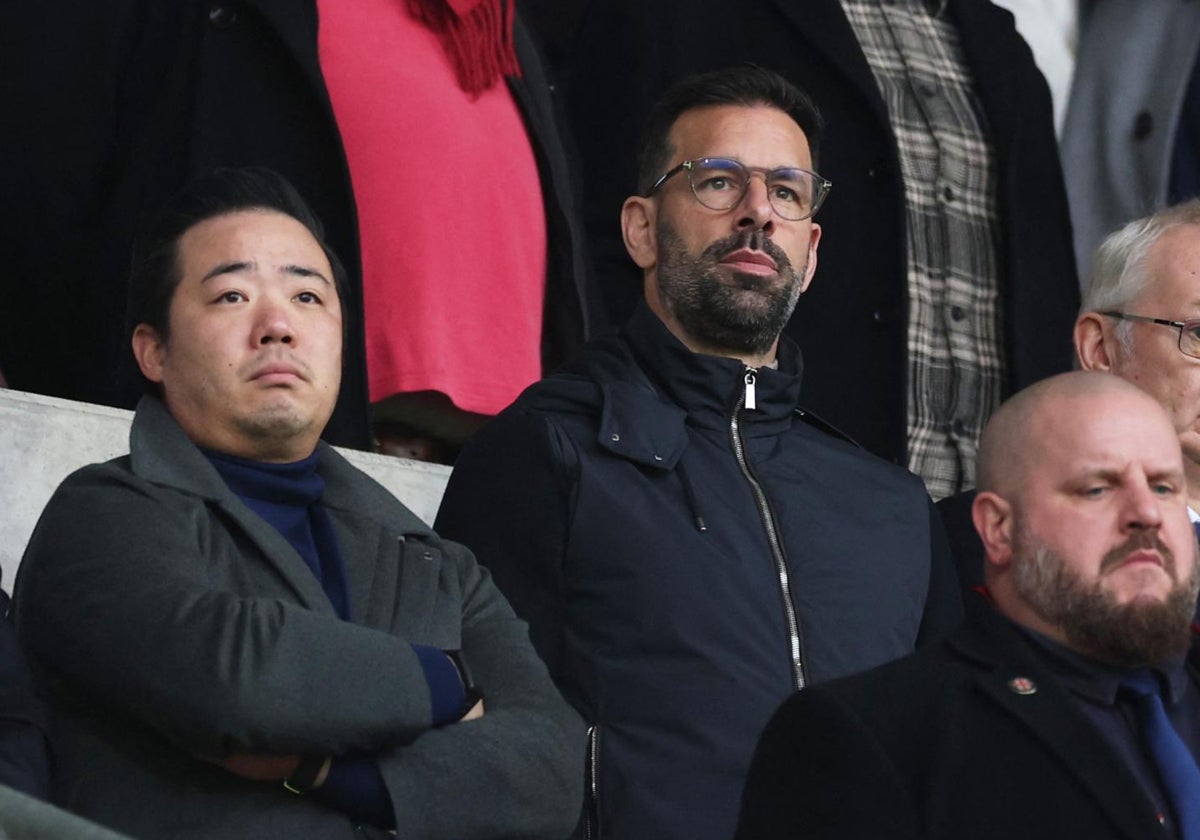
886	315
221	17
615	437
1143	125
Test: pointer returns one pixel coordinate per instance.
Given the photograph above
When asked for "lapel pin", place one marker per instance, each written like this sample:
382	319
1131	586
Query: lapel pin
1022	685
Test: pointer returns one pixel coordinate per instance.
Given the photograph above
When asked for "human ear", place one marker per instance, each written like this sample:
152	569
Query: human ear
811	267
1093	342
638	230
150	352
993	520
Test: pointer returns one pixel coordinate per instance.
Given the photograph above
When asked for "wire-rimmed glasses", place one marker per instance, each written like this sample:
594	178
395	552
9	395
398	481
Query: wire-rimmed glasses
1189	330
721	184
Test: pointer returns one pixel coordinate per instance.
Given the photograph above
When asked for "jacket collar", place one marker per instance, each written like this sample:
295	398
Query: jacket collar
1012	678
652	387
707	387
161	453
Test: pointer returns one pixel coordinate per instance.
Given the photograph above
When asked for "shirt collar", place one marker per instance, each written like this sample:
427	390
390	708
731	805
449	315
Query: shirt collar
1095	680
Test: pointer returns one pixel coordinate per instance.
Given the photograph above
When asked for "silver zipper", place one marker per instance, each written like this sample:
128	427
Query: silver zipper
592	817
764	511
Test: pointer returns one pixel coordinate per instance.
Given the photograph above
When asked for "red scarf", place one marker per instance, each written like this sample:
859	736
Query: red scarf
477	36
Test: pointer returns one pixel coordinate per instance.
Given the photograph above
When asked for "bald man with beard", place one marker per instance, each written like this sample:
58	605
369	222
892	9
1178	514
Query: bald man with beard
1030	721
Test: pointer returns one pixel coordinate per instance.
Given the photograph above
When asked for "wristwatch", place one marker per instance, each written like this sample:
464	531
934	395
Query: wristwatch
304	777
472	694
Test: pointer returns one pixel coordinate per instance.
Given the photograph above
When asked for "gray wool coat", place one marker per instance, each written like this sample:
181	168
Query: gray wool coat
168	621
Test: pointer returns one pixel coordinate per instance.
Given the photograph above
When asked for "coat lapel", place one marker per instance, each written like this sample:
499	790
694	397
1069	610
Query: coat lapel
279	553
980	26
392	562
824	28
160	452
1015	683
1051	718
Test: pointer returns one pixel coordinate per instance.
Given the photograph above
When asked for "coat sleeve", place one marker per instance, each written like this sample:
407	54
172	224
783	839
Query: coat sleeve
819	774
116	599
24	753
943	603
515	771
509	500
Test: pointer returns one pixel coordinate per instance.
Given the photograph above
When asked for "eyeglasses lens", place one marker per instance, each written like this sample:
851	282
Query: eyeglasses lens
1189	338
720	184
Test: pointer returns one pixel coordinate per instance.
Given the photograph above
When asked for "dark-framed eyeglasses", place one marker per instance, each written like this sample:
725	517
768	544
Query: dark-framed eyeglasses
1189	330
721	183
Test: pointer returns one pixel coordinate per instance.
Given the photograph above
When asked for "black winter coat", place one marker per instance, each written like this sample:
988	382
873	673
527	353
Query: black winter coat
971	739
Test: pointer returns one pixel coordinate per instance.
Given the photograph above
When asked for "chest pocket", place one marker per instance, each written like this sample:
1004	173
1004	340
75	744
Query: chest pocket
417	595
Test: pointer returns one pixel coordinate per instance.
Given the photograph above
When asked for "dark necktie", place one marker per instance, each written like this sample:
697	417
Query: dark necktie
1176	767
1196	528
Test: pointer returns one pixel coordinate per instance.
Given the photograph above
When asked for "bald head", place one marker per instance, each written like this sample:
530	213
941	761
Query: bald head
1081	510
1015	434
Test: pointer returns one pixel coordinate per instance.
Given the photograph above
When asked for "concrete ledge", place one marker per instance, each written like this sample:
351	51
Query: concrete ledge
44	439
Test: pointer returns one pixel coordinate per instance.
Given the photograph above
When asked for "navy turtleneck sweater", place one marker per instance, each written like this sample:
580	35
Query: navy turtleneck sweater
288	497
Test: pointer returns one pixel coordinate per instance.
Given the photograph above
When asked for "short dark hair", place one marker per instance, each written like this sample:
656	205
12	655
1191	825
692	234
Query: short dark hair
155	271
747	85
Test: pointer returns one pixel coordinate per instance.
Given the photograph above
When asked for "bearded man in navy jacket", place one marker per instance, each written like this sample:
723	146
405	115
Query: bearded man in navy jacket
688	544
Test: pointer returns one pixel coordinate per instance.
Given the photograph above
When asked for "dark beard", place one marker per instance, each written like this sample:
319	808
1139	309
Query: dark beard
1133	635
746	316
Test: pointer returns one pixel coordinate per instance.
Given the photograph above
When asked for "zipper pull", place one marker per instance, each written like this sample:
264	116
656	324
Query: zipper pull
751	403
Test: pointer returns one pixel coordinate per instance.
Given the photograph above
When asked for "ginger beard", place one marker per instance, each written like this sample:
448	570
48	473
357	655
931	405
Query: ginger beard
744	313
1136	634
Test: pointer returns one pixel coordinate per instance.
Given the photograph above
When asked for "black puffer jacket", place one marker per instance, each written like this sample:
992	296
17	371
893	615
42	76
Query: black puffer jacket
627	507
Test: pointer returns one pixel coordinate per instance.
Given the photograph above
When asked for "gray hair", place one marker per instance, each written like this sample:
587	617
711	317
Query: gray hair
1118	272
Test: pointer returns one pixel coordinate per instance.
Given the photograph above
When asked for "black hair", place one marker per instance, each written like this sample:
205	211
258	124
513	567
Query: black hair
747	85
155	271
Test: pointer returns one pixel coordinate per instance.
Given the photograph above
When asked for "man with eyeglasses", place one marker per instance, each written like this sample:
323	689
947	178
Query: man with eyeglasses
688	545
947	277
1140	319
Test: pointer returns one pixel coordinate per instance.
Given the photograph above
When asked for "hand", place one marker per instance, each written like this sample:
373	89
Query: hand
259	768
475	712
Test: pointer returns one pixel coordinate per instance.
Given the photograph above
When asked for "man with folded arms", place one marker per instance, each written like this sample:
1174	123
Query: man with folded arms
243	635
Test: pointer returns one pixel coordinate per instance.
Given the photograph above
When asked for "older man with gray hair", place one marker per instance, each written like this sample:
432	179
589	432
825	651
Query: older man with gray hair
1140	319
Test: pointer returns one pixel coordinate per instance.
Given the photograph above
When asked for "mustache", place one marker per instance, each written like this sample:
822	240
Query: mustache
1138	542
754	240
